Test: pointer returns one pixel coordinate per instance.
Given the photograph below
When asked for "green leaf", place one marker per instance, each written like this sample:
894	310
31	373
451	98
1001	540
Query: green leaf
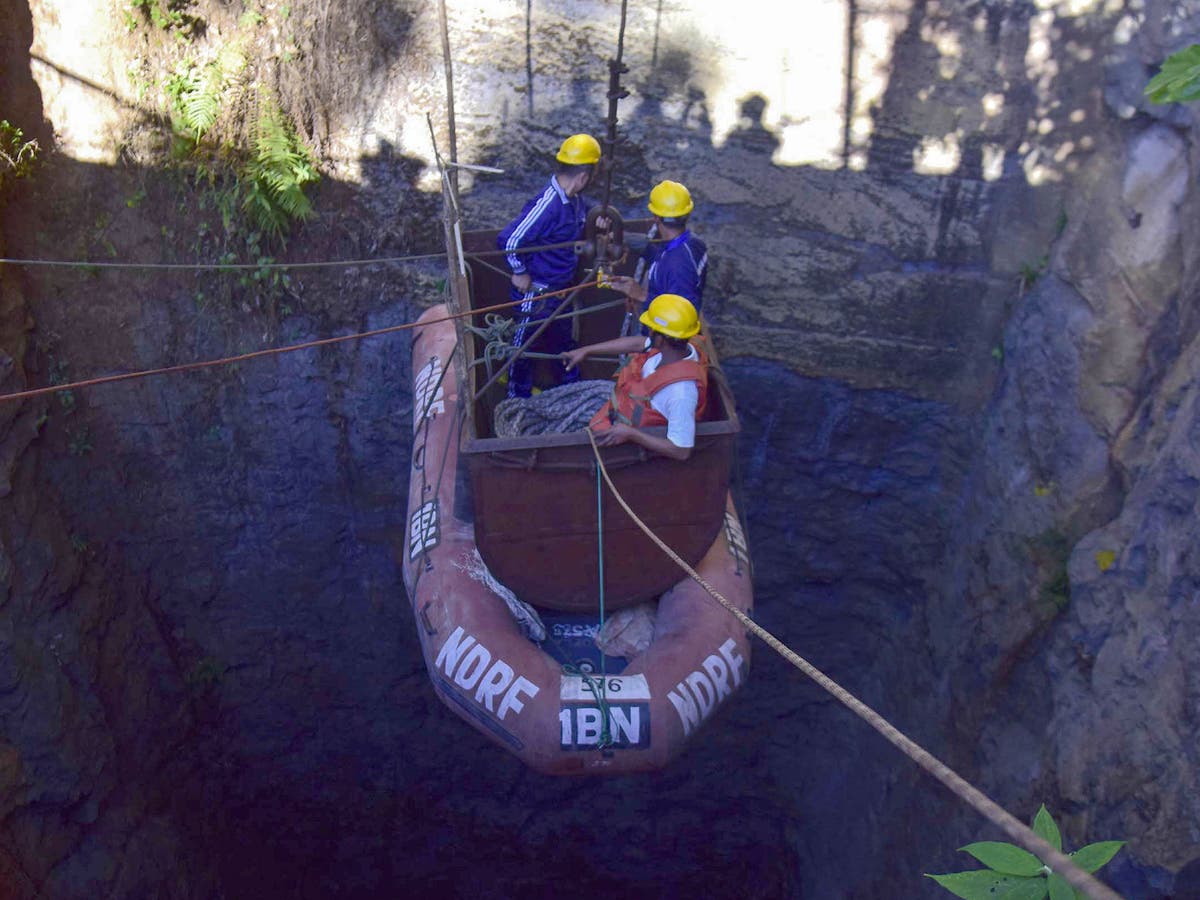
1179	79
1093	856
1060	888
1045	827
984	884
1005	858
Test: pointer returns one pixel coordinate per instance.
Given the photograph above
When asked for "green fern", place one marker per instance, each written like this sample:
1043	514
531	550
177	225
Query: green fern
277	174
196	98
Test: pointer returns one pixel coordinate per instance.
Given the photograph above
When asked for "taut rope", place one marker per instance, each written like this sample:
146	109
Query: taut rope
965	791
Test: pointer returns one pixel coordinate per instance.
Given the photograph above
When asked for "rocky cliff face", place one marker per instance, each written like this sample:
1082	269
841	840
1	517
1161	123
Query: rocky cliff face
959	318
1092	650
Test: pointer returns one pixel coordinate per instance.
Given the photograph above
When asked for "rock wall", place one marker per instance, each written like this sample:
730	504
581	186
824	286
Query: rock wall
1090	663
92	699
953	289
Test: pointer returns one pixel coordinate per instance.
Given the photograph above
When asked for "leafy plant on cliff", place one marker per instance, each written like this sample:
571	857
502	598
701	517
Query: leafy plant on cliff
269	181
1017	874
215	111
17	155
277	173
1179	79
169	15
195	94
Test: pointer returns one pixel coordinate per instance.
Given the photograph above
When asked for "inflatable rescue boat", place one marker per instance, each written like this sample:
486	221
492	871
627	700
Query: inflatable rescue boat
518	566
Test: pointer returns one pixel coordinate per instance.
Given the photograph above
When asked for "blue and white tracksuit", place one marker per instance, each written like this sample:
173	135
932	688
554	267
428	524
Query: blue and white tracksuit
550	218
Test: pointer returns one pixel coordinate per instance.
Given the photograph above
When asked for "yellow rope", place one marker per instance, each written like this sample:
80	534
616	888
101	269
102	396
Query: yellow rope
1013	827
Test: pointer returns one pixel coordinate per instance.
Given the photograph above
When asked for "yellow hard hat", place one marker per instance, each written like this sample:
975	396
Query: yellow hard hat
579	150
671	315
670	200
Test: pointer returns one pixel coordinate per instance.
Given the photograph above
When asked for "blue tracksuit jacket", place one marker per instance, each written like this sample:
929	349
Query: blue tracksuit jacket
679	266
549	218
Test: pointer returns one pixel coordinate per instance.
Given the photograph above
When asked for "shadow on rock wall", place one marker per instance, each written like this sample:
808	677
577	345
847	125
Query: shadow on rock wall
879	275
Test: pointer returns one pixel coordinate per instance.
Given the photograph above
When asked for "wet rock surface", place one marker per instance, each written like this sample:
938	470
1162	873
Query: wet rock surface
968	469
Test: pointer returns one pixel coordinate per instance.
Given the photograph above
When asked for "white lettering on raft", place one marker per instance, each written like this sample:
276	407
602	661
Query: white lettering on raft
736	540
628	726
581	718
428	399
699	693
470	665
423	529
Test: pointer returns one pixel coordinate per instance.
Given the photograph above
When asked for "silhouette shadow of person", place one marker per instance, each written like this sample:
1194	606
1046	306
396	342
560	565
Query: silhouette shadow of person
751	134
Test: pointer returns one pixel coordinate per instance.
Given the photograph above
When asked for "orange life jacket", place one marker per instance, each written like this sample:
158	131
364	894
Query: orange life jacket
630	400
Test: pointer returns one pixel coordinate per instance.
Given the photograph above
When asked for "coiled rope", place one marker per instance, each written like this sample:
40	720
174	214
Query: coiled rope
559	410
497	334
1013	827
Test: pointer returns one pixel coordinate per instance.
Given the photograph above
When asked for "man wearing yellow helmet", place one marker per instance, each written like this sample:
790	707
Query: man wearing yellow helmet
664	384
675	261
555	216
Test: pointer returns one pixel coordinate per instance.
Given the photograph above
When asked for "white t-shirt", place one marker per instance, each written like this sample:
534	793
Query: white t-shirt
676	402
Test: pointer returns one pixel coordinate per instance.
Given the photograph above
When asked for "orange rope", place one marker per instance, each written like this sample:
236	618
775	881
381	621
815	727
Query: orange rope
206	364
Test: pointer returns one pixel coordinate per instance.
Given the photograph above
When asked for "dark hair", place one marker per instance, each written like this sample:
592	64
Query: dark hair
680	344
569	169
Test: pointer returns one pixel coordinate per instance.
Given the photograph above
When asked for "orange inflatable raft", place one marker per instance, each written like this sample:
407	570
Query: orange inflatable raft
625	714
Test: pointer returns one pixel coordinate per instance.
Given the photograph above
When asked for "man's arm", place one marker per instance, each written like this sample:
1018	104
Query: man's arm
634	343
629	287
620	433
